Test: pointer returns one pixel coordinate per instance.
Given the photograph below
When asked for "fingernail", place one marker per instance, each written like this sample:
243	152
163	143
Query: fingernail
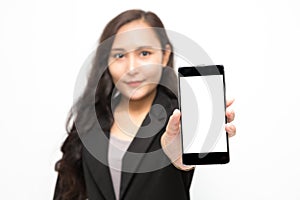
176	111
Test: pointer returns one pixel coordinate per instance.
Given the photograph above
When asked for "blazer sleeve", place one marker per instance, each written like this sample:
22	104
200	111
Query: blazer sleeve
187	177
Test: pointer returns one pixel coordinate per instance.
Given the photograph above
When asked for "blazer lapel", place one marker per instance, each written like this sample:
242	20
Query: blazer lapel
95	153
95	149
153	124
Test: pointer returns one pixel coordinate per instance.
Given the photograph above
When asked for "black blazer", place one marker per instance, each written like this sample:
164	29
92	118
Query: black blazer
139	180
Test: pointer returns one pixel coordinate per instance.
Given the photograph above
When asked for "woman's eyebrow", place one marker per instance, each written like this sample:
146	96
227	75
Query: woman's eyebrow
118	49
136	49
145	47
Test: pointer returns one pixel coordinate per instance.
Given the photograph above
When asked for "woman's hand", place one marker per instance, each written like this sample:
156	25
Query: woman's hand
170	140
230	114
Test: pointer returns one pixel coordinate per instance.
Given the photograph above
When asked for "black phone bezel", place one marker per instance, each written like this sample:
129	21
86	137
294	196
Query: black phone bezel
209	157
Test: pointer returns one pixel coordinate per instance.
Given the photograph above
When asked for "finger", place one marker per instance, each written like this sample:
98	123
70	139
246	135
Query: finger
229	102
230	114
173	124
230	129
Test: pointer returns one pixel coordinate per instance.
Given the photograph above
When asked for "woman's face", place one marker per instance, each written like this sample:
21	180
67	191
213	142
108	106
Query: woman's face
136	60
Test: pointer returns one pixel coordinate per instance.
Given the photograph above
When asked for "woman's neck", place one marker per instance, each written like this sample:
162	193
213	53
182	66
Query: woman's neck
129	115
137	107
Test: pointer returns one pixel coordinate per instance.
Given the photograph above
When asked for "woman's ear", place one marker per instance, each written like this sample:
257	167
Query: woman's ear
166	55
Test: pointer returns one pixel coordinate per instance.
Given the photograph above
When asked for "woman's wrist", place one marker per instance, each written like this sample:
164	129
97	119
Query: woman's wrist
179	165
174	154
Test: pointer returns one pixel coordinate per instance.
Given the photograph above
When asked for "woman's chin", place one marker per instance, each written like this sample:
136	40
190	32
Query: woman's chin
138	95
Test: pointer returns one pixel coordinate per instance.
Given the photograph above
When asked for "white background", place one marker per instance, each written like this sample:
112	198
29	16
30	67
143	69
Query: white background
44	43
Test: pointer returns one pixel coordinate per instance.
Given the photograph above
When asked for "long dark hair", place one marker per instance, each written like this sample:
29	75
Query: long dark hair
71	184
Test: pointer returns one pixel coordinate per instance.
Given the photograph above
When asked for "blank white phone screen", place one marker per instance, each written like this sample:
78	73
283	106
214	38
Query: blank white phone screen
203	114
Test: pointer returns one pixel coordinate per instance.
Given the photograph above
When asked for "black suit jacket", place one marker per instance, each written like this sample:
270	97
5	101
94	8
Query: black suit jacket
147	172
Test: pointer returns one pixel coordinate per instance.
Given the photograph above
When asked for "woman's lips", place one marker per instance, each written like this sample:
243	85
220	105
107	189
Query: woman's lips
134	83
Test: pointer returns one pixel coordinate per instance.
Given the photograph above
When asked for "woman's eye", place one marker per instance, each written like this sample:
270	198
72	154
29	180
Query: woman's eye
118	55
145	53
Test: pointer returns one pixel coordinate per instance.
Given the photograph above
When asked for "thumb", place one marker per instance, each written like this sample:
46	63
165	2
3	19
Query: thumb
173	124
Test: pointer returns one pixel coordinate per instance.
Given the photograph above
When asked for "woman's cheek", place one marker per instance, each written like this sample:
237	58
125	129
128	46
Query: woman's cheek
152	72
116	73
155	75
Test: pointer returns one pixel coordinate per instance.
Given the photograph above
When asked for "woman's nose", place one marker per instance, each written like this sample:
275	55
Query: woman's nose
132	64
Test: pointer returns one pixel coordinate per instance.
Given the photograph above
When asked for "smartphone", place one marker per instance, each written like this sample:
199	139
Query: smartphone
202	103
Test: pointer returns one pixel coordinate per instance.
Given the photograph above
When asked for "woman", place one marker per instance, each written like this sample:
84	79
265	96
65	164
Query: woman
135	154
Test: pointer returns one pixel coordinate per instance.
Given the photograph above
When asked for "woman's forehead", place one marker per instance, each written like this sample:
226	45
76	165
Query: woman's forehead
134	35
